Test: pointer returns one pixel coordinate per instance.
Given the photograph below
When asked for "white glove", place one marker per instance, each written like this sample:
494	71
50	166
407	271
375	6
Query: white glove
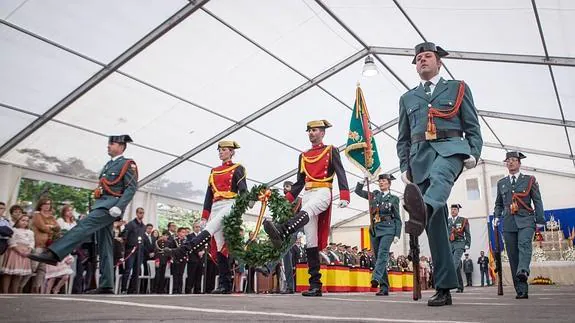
343	203
115	211
466	247
395	240
495	222
470	162
404	178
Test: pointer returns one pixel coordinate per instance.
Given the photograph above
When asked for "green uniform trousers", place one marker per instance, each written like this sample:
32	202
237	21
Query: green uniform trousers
381	246
519	249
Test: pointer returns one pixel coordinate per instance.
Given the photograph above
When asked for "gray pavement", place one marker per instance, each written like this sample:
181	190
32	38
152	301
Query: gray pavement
549	304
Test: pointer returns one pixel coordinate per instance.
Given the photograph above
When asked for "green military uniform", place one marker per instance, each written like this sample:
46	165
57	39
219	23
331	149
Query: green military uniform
519	225
386	224
460	238
436	163
99	220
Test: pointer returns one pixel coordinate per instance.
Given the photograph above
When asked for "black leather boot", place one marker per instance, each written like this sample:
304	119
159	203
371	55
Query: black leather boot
188	246
225	276
278	233
442	297
314	273
417	209
46	256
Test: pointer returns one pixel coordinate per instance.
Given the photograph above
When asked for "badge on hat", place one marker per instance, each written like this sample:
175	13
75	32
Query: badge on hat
428	47
121	139
318	124
228	144
457	206
516	154
389	177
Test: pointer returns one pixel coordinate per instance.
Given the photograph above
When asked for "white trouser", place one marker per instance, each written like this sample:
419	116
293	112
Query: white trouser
314	202
215	224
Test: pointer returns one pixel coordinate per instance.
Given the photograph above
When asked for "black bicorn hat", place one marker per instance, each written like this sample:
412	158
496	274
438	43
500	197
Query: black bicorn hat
290	183
386	176
456	206
517	154
429	47
121	139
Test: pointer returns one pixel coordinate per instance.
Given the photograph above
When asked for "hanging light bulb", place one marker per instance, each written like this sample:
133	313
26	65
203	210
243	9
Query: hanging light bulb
369	68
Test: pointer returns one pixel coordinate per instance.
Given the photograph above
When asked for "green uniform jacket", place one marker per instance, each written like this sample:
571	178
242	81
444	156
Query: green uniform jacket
524	218
413	109
461	233
127	186
387	205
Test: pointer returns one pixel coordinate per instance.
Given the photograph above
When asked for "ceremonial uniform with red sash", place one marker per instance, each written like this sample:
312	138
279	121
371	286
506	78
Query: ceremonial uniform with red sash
317	168
519	203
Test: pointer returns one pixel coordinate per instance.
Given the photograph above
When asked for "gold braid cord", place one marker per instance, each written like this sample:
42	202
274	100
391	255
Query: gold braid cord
311	160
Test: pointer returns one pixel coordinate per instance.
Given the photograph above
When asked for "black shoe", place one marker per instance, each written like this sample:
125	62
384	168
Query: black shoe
273	233
416	208
522	296
100	291
441	298
382	293
287	291
374	284
221	291
47	257
313	292
522	277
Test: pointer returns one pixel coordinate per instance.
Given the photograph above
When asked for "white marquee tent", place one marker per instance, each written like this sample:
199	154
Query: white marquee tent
178	76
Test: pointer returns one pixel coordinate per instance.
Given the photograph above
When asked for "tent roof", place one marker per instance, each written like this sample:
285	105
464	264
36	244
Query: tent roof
178	76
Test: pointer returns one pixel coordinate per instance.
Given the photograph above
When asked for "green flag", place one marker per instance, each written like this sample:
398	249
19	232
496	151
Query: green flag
361	149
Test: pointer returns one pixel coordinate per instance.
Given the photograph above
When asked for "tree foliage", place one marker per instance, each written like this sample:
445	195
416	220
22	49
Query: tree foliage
180	216
31	191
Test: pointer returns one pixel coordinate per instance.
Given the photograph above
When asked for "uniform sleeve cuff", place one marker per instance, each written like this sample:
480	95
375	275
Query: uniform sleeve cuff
205	214
290	197
344	195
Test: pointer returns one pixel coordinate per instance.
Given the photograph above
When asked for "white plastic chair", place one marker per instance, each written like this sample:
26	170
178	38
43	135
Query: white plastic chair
170	277
151	274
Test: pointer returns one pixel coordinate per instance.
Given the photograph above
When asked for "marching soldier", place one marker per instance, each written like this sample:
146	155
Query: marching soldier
439	134
225	183
385	228
117	185
460	239
316	170
519	203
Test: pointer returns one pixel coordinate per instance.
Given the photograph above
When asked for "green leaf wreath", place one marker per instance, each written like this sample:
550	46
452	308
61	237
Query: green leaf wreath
256	253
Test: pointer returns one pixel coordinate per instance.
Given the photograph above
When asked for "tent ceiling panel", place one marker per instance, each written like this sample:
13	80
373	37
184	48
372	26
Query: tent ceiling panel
298	32
511	88
387	152
227	74
288	122
558	22
375	22
381	91
530	135
565	79
262	157
484	20
571	132
66	150
90	27
11	122
35	75
188	181
121	105
486	134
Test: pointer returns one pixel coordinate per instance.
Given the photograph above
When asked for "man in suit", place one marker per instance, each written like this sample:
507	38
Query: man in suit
148	253
195	265
385	227
468	270
460	238
519	203
317	168
117	185
483	262
439	134
133	235
178	261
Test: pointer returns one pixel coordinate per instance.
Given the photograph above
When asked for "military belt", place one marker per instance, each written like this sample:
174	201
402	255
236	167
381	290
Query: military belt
441	134
382	218
312	185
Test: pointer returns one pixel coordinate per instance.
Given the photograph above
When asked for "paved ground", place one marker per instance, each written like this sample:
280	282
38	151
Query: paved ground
548	304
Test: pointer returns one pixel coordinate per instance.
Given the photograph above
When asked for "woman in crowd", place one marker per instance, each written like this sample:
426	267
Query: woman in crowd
15	264
57	276
66	221
45	226
15	212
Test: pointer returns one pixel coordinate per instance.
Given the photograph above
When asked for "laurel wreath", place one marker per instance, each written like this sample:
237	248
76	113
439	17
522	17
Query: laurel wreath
256	253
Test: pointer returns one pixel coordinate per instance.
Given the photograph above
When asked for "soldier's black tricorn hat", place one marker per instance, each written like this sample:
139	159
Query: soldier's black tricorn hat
386	176
456	206
516	154
428	47
290	183
121	139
